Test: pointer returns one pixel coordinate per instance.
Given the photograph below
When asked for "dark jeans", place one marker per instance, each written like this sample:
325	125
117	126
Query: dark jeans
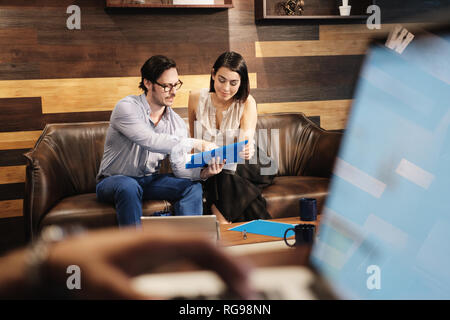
127	193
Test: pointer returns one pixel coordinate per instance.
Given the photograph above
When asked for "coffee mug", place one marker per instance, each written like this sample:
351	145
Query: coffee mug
308	209
304	234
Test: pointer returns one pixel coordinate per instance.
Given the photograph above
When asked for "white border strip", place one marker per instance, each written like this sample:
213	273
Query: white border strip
359	178
414	173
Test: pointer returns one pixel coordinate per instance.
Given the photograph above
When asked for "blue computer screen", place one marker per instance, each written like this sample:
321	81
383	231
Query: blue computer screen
385	231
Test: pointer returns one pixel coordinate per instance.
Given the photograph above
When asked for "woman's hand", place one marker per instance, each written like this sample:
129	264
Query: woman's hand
214	167
248	151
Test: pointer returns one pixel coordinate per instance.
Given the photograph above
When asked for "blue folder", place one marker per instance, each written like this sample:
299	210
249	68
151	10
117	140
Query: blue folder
229	152
266	228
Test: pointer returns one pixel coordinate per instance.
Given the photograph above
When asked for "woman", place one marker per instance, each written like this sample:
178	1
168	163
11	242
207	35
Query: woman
220	114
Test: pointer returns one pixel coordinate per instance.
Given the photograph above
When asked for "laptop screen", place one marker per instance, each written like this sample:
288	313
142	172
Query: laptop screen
385	233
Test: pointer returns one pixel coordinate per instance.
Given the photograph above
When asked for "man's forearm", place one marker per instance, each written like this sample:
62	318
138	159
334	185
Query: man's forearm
13	282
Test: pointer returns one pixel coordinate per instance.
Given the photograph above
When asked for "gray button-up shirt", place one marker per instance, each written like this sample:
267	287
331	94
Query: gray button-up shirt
135	147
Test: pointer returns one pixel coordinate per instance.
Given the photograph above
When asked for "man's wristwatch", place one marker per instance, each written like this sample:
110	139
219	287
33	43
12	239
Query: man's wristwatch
38	252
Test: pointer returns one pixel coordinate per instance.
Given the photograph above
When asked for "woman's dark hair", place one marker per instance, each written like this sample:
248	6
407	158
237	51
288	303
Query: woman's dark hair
153	68
235	62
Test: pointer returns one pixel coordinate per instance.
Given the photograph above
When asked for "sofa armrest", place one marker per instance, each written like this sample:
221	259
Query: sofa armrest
45	185
64	162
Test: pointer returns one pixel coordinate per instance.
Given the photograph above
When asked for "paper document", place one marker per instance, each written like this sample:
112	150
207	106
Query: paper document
266	228
229	152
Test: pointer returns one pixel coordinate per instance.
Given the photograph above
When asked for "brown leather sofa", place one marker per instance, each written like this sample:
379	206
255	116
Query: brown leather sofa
62	168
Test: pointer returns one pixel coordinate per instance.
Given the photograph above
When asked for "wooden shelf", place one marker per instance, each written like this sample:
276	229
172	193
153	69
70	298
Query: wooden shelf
313	10
219	4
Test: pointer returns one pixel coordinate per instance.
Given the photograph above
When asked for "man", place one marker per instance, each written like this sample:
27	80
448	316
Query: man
143	130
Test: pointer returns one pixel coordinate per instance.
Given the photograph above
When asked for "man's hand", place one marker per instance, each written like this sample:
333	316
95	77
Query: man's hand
204	145
214	167
109	259
207	146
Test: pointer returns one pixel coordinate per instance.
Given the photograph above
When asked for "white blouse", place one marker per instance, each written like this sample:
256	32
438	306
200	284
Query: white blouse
205	127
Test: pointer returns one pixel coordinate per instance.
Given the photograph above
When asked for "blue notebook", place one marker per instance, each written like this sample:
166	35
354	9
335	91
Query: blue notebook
229	152
266	228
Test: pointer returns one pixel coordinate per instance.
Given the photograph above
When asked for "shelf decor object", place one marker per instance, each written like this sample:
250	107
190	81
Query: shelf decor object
187	2
345	8
311	9
290	7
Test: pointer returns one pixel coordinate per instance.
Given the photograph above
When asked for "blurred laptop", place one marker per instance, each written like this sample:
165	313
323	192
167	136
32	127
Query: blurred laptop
206	225
385	227
385	230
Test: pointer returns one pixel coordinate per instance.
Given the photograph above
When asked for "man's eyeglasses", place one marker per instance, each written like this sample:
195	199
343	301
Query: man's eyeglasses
168	87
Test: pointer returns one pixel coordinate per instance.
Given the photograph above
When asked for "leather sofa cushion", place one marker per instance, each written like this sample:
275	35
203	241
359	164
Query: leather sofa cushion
283	195
92	214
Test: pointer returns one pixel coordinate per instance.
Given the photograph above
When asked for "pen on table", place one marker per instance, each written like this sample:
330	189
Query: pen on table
244	234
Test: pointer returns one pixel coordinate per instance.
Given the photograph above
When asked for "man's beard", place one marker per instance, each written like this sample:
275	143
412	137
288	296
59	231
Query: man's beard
161	101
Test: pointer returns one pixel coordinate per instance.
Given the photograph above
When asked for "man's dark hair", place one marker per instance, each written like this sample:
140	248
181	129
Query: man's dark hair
235	62
153	68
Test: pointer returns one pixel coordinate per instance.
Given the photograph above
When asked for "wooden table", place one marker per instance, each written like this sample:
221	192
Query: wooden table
233	238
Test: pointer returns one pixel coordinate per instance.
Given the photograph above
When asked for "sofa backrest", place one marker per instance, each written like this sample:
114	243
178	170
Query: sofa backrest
304	149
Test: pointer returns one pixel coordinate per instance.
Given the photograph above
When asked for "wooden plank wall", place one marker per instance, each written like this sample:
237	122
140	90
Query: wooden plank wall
51	74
